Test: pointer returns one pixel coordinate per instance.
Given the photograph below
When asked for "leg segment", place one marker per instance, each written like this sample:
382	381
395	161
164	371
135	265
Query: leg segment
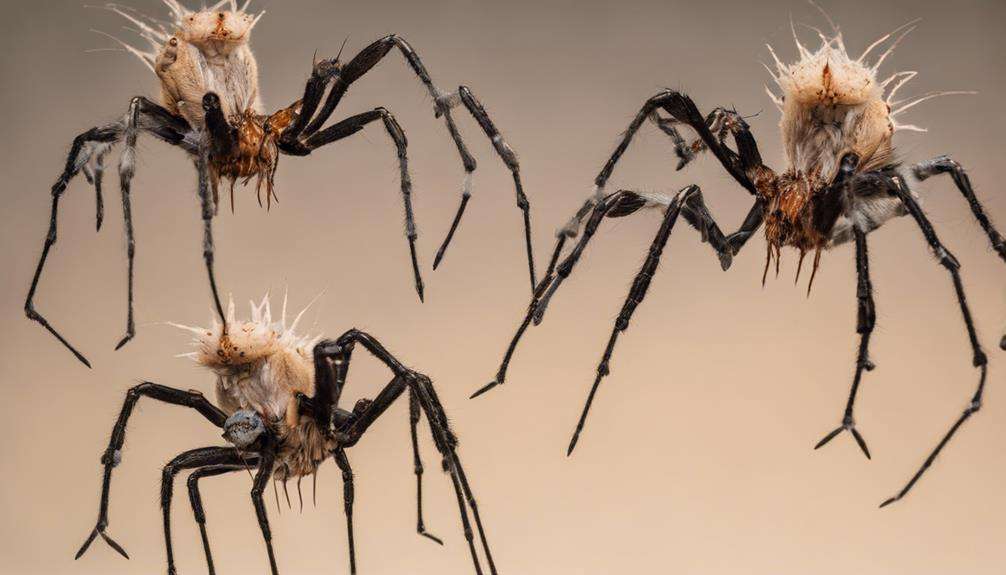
347	497
197	503
418	467
112	455
979	360
354	124
866	319
367	412
636	294
506	153
148	117
214	117
215	456
267	458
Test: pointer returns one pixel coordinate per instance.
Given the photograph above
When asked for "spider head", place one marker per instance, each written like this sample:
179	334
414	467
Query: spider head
215	31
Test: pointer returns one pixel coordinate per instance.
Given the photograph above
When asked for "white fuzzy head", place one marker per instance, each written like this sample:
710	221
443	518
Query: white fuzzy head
832	103
215	30
248	342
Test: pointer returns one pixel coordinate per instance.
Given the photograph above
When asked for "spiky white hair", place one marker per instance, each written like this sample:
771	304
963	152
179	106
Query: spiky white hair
156	31
856	78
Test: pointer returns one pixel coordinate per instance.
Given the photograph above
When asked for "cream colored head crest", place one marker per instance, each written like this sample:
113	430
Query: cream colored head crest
217	29
829	77
248	341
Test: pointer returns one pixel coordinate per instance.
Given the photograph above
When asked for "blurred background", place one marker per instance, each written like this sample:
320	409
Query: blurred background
697	456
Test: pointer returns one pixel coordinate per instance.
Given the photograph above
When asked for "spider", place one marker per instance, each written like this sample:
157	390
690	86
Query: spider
278	404
211	109
841	182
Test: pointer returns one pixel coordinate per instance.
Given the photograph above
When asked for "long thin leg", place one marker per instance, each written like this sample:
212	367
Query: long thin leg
418	467
188	460
866	319
113	454
339	352
347	497
506	153
354	124
127	168
979	360
266	461
214	117
636	294
195	498
152	119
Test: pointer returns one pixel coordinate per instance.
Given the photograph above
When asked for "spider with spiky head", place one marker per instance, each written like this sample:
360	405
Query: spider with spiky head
278	405
211	109
841	182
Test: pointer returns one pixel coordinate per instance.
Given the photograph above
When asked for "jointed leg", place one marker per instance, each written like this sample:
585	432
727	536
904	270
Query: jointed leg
979	360
866	319
150	118
506	153
347	497
354	124
418	467
197	503
110	458
267	458
127	168
206	456
636	294
216	123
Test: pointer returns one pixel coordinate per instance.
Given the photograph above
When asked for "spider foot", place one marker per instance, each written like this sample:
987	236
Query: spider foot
100	530
430	536
485	388
847	425
130	332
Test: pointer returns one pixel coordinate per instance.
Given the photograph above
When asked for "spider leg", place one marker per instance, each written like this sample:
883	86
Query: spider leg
266	460
722	122
506	153
195	498
149	117
979	360
196	458
347	496
946	165
866	320
354	124
636	294
217	138
418	467
112	455
342	76
367	412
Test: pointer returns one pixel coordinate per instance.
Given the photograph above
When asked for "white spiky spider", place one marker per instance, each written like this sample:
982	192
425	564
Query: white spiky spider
278	404
841	182
210	108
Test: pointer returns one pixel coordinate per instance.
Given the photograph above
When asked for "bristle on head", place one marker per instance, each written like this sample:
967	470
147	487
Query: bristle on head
247	340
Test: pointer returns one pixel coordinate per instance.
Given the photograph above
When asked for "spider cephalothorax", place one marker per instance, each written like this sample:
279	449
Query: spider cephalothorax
211	108
278	405
840	183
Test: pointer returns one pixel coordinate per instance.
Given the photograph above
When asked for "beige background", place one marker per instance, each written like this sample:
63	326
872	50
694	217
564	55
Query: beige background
697	457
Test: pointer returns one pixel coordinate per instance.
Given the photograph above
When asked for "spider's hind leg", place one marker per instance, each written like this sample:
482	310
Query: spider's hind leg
196	500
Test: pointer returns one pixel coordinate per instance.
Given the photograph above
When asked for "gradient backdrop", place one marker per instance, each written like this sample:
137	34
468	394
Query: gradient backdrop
697	457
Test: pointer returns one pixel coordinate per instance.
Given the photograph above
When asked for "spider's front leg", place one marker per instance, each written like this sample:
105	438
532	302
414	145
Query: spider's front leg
113	453
333	357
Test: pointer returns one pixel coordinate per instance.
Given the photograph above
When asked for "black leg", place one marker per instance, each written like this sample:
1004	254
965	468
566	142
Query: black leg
354	124
636	294
112	455
127	168
367	412
979	360
214	116
506	153
418	467
347	496
866	319
215	456
197	503
267	458
152	119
